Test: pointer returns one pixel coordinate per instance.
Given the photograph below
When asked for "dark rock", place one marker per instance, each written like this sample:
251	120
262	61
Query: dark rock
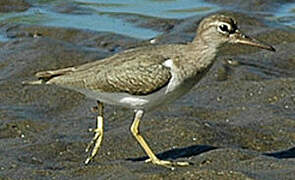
238	123
149	22
22	57
104	40
13	5
255	5
68	7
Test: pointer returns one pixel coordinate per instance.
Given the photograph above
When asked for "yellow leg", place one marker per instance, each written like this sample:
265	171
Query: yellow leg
146	148
98	136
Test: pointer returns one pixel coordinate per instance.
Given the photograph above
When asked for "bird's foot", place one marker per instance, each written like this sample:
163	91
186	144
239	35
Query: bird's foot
96	140
168	164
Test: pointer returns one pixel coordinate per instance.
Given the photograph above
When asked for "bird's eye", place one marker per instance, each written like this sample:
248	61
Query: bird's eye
223	28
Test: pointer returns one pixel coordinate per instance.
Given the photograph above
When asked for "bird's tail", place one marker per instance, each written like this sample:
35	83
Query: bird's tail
45	76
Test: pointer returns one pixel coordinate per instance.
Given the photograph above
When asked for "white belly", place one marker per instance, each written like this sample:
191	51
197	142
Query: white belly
146	102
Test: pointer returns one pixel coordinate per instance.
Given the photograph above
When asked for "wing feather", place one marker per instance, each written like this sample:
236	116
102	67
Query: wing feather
137	74
134	77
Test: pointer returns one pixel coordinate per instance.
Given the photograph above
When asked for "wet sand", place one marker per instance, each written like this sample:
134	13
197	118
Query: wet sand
238	123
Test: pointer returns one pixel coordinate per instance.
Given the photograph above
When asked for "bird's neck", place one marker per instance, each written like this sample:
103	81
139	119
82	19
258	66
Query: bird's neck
200	58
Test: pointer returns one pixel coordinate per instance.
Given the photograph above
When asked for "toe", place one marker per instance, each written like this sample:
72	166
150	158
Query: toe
168	164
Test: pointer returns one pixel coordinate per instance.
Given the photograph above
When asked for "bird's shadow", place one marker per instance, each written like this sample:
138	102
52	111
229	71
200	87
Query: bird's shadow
285	154
179	152
199	149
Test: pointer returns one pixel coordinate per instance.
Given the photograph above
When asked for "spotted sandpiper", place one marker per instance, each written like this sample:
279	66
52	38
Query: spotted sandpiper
144	78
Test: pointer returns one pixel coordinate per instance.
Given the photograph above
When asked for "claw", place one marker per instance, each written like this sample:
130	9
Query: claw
96	140
96	136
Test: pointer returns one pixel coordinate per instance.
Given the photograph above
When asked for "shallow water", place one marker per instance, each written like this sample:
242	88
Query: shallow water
99	15
286	14
96	15
156	8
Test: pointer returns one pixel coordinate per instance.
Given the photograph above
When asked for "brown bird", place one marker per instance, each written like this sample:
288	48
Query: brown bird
144	78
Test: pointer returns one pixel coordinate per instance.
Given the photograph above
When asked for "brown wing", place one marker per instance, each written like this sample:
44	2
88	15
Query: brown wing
137	74
135	80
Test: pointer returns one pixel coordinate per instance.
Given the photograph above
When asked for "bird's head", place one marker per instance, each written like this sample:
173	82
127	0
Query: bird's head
217	30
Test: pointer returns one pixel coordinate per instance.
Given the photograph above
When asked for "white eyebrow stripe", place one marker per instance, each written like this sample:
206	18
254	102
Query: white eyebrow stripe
219	23
216	23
